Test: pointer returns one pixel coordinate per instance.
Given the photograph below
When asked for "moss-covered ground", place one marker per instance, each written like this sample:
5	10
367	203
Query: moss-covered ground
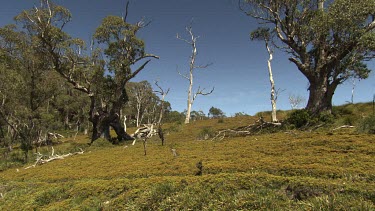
288	170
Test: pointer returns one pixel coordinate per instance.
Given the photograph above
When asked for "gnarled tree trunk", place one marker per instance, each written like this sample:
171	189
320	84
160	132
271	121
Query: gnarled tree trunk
103	120
321	94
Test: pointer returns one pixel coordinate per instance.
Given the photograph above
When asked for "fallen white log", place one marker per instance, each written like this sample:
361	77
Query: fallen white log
40	160
344	126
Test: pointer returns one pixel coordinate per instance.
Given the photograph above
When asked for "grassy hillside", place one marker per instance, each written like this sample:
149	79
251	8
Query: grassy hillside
288	170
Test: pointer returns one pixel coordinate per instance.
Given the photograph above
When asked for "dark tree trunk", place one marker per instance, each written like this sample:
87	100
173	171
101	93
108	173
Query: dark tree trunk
103	120
120	131
101	127
321	94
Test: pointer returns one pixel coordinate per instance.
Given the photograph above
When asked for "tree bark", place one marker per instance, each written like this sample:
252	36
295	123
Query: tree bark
103	120
189	100
190	76
320	97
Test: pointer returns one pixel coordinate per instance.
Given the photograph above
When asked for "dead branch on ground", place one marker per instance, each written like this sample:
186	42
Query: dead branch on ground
344	126
252	129
40	159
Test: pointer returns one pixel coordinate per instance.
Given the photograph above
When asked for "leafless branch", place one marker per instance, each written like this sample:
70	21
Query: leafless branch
185	76
126	11
203	66
145	56
185	40
201	92
278	92
161	90
138	70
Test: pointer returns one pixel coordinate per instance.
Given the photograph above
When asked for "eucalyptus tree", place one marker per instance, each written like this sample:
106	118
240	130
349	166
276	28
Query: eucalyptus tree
27	83
216	113
141	97
328	41
265	35
117	58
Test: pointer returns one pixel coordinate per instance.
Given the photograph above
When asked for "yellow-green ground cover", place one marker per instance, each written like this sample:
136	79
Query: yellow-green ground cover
288	170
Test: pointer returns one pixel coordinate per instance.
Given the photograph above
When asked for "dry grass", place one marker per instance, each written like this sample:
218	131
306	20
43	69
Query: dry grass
280	171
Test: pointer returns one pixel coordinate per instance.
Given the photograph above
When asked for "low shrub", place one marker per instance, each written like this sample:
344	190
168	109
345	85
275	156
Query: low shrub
206	133
326	117
101	142
299	118
175	127
350	120
343	110
367	125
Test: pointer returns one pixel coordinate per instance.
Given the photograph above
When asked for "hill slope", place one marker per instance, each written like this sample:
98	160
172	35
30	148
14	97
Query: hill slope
290	170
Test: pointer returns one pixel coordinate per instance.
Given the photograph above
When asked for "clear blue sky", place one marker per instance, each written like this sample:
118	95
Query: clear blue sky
239	71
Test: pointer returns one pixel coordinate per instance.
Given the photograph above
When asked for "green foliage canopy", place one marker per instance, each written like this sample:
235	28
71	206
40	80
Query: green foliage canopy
329	41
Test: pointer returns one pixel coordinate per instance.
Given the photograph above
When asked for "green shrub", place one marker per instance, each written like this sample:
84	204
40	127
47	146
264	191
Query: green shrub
367	125
176	127
206	133
342	110
299	118
326	117
221	120
350	120
101	142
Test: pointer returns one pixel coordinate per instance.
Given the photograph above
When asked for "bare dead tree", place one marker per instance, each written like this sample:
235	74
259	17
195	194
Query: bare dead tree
295	101
163	94
144	133
264	34
190	76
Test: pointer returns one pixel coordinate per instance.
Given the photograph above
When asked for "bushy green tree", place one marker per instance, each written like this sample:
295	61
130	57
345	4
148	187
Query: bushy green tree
27	83
215	112
328	41
103	74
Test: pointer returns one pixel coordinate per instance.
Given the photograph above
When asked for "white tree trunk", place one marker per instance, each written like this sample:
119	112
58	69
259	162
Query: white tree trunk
191	95
125	123
273	92
138	110
189	100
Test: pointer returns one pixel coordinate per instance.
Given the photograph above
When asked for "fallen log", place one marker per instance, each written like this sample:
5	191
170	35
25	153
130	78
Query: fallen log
41	160
246	130
344	126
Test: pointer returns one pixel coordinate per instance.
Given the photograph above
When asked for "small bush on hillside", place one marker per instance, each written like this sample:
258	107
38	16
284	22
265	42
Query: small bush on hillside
326	117
350	120
206	133
367	125
176	127
299	118
221	120
101	142
342	110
